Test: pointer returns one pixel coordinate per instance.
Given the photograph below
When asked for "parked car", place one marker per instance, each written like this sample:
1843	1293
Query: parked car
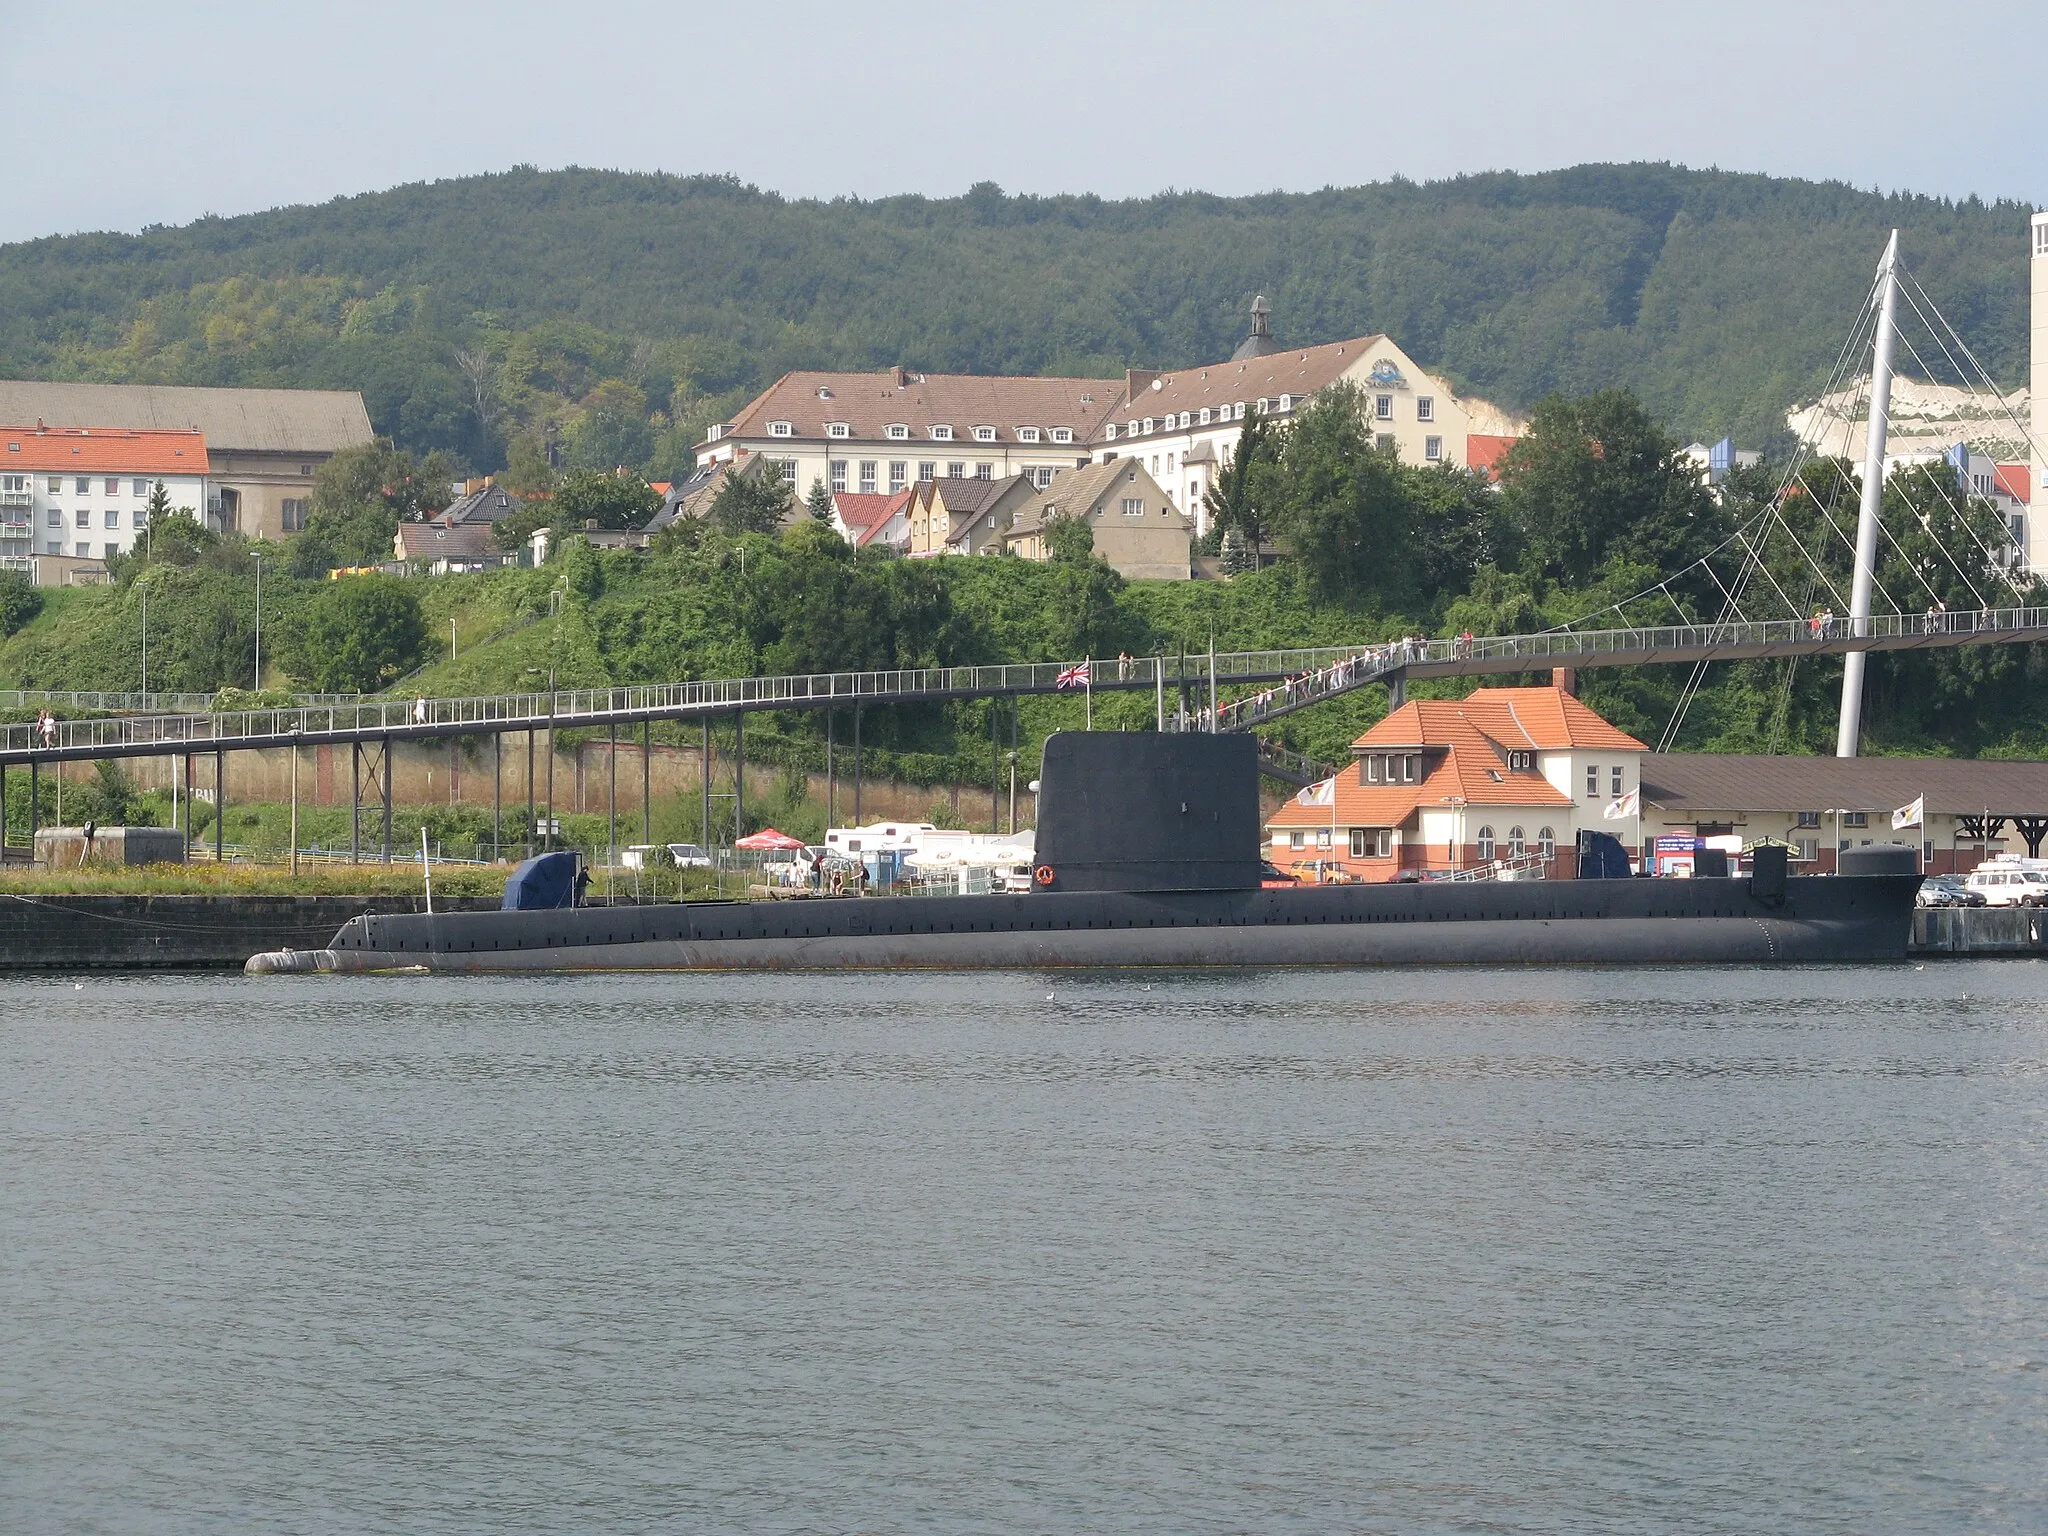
1946	891
1273	878
2010	887
689	856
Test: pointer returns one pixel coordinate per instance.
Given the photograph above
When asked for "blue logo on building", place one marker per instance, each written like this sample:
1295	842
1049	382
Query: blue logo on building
1385	375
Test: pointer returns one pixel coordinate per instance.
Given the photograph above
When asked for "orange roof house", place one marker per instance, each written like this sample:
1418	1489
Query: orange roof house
1449	783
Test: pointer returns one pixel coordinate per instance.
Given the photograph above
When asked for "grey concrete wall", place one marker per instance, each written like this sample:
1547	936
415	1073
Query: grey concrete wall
1980	930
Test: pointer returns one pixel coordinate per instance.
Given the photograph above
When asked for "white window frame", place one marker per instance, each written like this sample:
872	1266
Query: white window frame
1287	402
941	434
897	432
1108	432
1202	417
781	429
1433	449
1024	434
867	476
1134	506
1425	408
837	469
1066	434
1148	424
839	429
1382	407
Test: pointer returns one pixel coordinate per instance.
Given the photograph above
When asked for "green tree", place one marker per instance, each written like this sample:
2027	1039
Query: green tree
609	500
1236	498
1069	541
1597	478
359	634
1342	504
19	601
752	500
820	501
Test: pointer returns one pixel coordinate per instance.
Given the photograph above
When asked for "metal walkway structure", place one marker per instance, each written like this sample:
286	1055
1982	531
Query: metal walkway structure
1280	682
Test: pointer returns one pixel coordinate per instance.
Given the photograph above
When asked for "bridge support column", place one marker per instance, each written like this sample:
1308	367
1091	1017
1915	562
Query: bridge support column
739	776
831	776
856	765
611	802
1397	690
220	807
704	773
35	790
529	791
387	799
355	800
647	783
497	794
995	765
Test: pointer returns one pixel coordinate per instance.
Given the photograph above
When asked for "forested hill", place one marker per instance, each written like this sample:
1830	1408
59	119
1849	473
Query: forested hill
618	312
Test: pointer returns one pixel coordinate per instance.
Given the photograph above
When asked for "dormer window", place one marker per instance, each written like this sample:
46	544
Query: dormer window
1186	421
896	432
942	434
1131	430
1202	417
987	435
1521	762
1287	402
838	429
1024	434
781	429
1148	423
1240	410
713	434
1064	434
1109	432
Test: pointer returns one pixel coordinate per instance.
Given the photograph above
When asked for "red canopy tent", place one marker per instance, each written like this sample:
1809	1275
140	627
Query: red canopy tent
768	840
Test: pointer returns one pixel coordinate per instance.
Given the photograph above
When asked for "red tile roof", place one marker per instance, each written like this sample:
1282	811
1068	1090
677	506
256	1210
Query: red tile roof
866	516
2012	479
103	450
1483	450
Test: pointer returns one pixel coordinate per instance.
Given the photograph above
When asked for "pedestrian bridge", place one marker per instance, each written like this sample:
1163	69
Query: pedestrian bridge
1246	688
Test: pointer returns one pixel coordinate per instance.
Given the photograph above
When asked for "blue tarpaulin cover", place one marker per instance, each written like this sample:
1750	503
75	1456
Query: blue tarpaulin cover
542	883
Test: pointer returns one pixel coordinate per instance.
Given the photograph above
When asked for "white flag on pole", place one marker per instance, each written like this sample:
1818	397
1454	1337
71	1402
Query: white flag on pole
1324	793
1628	805
1910	815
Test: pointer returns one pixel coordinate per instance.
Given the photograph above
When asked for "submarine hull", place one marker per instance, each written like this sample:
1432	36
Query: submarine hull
1591	922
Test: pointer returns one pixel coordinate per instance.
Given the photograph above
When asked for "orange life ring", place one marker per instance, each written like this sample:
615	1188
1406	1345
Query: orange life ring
1042	874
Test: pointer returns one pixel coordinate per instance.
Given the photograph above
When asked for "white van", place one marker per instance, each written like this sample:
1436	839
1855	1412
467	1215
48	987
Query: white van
2004	886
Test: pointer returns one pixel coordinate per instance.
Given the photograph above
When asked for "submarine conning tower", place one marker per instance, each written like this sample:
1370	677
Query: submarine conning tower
1147	811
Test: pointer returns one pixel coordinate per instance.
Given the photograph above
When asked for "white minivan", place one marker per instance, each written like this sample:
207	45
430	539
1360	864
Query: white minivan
2005	887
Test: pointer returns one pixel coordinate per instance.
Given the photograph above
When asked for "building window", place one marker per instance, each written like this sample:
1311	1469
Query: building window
109	549
1287	402
305	469
1517	844
82	549
1041	476
927	470
1615	779
1546	844
1155	463
838	467
142	517
1592	782
984	471
1383	407
942	434
1131	430
1433	449
112	519
1024	434
1134	506
955	470
838	429
1066	434
1194	492
1411	768
867	477
1425	408
1518	761
1108	433
1295	838
83	517
113	485
1485	845
781	429
1169	463
1372	842
1384	442
896	432
1855	818
899	472
1807	819
140	487
56	485
1148	423
1186	421
56	517
1806	849
787	468
85	485
1202	417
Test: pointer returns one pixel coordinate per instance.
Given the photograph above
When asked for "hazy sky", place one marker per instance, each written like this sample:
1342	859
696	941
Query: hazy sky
123	114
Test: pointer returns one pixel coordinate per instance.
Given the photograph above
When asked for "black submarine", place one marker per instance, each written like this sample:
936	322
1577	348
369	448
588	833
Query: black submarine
1148	853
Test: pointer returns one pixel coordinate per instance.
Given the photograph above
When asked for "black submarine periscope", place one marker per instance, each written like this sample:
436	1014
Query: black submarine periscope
1148	853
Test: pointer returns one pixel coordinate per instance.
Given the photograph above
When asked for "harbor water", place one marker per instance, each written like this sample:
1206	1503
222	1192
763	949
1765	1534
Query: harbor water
1636	1251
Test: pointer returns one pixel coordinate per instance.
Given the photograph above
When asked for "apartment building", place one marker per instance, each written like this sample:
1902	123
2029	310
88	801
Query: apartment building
264	444
1136	528
873	434
83	492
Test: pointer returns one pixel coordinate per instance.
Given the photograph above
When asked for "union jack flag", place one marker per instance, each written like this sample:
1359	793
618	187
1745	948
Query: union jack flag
1075	676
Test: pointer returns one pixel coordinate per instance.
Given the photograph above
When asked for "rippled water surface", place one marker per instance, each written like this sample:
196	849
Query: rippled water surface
1732	1251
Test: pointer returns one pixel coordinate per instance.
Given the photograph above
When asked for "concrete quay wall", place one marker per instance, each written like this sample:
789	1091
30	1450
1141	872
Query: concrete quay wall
1980	931
57	933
